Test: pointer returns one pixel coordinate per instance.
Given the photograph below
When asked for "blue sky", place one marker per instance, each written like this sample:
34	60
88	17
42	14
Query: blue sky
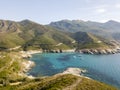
45	11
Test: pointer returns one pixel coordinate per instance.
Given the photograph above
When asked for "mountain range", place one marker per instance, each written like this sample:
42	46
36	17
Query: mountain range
63	34
108	30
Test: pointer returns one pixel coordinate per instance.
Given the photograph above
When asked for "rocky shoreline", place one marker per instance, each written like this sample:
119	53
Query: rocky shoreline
28	54
99	51
26	66
29	64
74	71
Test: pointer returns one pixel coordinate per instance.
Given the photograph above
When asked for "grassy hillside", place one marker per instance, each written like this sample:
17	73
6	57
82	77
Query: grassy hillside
28	34
9	37
12	67
49	36
9	40
78	25
86	41
31	35
61	82
12	77
105	30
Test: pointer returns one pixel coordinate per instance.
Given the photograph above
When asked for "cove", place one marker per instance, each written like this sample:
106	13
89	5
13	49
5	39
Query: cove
104	68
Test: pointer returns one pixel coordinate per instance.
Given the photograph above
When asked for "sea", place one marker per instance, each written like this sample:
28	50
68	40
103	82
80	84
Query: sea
104	68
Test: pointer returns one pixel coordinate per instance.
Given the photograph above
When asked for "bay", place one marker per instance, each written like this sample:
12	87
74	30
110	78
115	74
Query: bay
104	68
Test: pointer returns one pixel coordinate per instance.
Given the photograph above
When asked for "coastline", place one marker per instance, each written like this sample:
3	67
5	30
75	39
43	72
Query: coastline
28	54
99	51
75	71
29	64
26	67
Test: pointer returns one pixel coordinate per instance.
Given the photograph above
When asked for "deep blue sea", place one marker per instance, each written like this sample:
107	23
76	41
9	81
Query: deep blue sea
105	68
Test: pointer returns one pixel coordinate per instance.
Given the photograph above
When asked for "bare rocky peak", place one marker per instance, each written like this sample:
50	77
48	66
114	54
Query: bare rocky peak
9	26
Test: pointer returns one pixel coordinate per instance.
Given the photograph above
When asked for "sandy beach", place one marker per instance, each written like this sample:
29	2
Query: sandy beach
28	54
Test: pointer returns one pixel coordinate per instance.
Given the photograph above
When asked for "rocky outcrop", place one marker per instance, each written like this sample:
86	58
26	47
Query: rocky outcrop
59	51
74	71
27	65
28	54
99	51
9	26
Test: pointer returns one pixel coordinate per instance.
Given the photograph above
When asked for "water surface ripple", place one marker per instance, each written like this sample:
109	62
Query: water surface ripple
105	68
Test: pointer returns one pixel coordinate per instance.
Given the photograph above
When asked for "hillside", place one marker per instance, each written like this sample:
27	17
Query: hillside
9	34
106	30
27	34
62	82
13	76
87	41
30	35
13	68
46	35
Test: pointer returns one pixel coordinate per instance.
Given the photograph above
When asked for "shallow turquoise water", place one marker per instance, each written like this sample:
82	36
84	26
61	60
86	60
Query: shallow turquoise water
105	68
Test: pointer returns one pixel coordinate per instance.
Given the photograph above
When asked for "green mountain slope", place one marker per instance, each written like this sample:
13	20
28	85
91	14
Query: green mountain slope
9	34
27	33
106	30
12	68
31	35
89	41
77	25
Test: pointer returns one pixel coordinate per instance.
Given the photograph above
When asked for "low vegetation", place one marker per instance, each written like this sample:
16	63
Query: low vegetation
11	68
10	79
30	35
61	82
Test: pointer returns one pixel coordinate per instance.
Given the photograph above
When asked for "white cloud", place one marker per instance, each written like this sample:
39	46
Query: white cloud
103	21
117	5
101	10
